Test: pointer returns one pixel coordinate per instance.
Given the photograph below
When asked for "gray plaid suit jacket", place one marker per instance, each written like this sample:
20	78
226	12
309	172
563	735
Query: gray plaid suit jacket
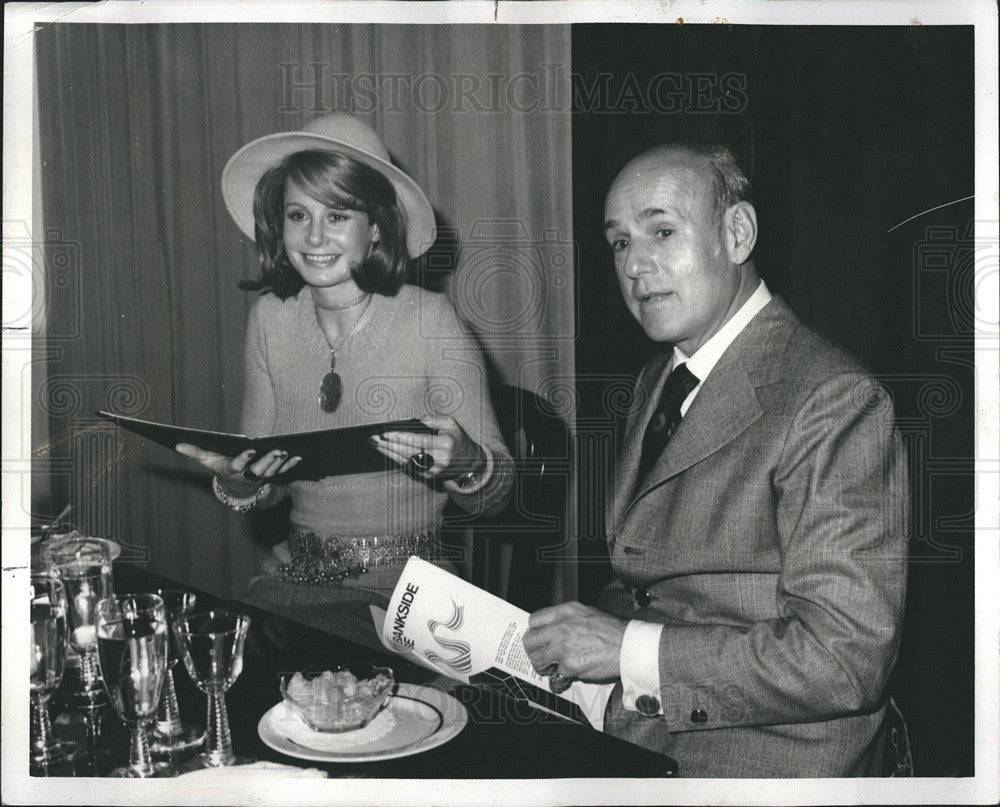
771	539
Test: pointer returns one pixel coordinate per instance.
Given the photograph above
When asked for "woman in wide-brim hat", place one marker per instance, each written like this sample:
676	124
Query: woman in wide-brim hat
337	339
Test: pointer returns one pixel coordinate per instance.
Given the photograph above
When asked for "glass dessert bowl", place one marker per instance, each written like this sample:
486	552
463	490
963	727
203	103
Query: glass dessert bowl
345	698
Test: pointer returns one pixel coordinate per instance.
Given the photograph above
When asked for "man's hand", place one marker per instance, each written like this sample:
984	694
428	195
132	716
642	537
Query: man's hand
580	641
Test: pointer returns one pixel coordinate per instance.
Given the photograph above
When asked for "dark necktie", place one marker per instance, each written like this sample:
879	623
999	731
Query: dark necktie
666	417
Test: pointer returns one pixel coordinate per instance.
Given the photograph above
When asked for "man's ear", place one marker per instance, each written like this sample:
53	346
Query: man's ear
376	235
739	229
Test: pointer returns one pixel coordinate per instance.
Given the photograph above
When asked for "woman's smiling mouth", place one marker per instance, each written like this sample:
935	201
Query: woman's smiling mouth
320	259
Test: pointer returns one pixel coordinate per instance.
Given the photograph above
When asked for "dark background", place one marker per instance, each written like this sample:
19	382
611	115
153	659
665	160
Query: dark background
845	133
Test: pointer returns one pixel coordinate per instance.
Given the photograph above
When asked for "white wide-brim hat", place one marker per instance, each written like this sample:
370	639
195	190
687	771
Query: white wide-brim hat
338	132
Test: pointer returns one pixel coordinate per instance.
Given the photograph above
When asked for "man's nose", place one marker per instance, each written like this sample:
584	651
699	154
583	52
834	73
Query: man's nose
637	261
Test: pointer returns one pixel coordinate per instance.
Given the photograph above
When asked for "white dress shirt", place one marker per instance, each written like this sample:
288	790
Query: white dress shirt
640	655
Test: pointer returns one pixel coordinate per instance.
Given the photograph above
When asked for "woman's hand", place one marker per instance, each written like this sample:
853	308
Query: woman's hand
241	476
447	454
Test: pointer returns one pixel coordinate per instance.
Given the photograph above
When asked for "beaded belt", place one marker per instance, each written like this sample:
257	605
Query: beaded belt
325	561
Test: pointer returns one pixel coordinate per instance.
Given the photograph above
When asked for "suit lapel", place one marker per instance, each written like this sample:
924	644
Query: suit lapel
725	406
648	390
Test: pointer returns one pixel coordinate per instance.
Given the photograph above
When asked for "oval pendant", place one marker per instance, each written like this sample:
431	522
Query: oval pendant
329	392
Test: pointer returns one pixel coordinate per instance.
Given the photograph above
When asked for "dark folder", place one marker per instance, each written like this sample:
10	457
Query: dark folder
324	453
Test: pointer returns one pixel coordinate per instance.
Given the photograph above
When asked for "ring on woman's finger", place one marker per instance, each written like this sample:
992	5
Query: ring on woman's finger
422	461
549	669
249	474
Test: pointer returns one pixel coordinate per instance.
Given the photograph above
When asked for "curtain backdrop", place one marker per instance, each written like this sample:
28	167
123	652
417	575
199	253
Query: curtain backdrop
144	317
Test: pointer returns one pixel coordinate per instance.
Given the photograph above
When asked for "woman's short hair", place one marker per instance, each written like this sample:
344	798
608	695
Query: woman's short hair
337	181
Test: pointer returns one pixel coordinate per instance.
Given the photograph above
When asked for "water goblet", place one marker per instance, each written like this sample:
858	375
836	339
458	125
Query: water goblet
132	643
171	734
211	645
84	566
48	657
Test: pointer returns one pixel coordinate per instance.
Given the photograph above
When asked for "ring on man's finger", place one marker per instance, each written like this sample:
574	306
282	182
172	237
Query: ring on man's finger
249	474
422	461
559	683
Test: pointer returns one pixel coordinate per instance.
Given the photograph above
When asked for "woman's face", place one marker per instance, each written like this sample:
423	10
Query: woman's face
321	242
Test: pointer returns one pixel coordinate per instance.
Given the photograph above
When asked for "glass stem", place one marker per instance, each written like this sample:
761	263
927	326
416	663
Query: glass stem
168	713
139	757
218	743
41	730
89	671
92	721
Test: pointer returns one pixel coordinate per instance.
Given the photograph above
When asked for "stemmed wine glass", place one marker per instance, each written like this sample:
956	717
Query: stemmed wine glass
211	645
84	566
172	734
132	643
48	656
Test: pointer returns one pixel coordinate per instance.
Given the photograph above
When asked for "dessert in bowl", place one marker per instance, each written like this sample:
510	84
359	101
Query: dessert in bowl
345	698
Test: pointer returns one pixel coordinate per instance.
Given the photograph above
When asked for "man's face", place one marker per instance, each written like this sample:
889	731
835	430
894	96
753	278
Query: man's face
675	273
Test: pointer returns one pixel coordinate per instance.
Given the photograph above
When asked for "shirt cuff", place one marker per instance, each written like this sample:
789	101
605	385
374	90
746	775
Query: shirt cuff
640	663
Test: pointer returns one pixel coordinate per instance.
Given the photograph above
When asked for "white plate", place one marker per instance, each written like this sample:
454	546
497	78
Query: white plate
417	718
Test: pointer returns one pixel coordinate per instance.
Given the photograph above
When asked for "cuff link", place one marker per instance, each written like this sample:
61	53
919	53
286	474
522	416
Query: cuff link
647	705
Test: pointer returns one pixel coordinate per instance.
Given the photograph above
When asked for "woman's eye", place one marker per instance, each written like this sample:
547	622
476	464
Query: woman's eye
296	215
619	244
336	217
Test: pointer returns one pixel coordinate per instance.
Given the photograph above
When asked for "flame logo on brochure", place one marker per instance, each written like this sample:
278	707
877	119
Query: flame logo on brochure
460	652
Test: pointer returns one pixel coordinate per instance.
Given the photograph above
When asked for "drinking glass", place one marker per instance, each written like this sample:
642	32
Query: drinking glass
172	735
84	566
132	643
211	645
48	656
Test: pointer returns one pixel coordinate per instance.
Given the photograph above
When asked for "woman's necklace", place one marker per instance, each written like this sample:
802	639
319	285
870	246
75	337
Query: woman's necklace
331	390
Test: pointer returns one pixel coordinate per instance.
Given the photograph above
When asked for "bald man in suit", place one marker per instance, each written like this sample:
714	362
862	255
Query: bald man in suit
758	523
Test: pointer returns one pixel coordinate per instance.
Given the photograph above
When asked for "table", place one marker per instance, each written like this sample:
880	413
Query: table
502	740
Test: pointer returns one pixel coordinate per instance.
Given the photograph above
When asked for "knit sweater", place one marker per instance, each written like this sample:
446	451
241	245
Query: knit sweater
412	358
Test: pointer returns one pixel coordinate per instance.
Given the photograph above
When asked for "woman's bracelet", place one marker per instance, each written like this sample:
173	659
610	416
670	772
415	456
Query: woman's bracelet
239	505
473	481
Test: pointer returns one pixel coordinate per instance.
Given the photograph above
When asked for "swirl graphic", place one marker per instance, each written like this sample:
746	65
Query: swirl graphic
870	395
60	396
129	396
560	395
939	397
620	396
443	398
376	397
461	660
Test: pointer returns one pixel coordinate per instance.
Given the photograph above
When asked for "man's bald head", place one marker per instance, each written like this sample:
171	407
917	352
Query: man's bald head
729	184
